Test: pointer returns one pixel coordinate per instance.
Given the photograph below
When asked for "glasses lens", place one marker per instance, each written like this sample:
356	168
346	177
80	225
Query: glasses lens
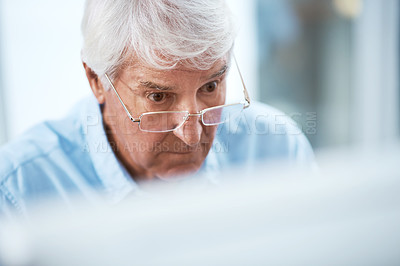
162	122
219	115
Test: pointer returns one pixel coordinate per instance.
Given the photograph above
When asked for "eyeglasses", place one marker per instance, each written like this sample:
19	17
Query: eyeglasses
166	121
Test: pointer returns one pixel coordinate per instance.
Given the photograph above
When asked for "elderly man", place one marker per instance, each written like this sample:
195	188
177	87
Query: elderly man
158	73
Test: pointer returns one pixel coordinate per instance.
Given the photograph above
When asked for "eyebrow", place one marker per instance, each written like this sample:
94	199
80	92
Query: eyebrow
152	85
219	73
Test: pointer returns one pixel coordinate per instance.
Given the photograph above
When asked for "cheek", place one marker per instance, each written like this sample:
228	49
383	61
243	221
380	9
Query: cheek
209	132
144	146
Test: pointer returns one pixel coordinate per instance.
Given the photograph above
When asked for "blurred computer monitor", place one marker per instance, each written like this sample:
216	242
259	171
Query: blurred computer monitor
347	213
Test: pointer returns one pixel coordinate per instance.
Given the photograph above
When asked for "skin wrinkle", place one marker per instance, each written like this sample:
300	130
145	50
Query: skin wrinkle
160	155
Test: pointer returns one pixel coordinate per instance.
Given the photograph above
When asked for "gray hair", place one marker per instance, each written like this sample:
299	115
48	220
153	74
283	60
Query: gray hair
160	33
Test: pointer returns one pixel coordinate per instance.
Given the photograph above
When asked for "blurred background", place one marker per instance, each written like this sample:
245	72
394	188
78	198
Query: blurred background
331	65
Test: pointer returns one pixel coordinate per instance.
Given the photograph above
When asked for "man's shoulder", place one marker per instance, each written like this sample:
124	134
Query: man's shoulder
22	162
34	146
33	143
42	140
46	159
263	132
264	119
50	145
260	119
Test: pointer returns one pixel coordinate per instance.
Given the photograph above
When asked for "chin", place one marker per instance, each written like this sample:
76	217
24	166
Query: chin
179	172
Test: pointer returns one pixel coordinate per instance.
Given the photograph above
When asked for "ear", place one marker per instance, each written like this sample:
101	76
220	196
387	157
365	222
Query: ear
95	84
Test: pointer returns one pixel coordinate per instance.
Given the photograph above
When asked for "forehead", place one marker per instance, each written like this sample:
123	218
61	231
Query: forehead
142	72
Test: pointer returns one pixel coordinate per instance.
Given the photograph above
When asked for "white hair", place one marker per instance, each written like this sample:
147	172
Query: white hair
160	33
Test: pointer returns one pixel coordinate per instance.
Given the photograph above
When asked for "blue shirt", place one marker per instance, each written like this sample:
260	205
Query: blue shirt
72	157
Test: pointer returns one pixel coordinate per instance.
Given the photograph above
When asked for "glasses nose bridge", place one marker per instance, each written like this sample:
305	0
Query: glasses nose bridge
198	114
195	114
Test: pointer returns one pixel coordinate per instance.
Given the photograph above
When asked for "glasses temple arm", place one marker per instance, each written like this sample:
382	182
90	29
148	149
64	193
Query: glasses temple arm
119	98
245	92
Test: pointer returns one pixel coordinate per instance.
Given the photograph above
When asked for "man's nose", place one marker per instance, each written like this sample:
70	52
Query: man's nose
190	132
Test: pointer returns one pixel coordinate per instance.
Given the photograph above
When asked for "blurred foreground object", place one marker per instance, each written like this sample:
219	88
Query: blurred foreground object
347	214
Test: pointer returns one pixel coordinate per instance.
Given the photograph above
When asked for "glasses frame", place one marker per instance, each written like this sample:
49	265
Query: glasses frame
245	104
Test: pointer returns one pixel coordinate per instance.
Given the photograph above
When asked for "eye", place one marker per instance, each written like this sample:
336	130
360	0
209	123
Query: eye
209	87
157	96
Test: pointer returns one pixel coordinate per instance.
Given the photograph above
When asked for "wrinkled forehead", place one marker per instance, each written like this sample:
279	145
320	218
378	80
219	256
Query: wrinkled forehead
134	66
